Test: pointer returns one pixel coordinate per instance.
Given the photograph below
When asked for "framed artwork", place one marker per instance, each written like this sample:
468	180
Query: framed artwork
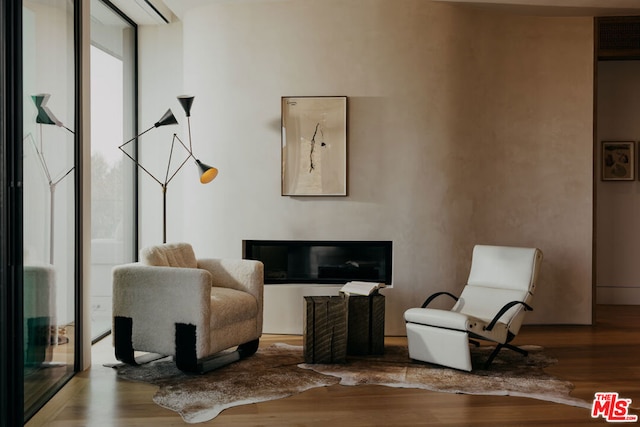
618	160
314	146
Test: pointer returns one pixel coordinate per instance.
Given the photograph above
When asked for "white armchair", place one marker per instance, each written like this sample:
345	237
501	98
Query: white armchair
491	307
171	303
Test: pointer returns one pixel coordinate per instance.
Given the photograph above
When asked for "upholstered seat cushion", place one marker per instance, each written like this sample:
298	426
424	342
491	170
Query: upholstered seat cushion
229	306
169	255
439	318
457	321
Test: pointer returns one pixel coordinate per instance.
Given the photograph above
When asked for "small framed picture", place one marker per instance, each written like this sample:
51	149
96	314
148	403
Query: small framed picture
618	161
314	146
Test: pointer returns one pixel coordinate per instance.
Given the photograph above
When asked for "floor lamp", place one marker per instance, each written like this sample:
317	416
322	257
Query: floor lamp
207	173
46	117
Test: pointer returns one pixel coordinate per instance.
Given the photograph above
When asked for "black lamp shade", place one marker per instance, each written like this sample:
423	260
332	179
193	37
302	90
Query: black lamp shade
167	119
186	101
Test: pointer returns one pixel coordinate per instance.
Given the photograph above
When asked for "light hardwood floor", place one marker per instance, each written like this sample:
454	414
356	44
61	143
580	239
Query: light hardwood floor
603	357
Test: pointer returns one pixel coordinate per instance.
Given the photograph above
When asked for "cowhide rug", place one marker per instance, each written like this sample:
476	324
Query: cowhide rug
278	371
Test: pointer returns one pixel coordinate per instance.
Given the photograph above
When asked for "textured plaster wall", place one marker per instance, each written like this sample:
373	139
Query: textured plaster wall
618	281
160	82
464	127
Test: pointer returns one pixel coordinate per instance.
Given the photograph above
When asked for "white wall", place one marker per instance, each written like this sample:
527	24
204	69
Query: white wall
464	127
160	82
618	206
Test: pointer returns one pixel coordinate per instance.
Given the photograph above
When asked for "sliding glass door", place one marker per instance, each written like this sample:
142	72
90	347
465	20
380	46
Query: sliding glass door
113	70
50	178
41	151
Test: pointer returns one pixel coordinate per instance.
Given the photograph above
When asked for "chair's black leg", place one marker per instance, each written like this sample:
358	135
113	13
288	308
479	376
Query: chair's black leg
122	339
123	343
494	353
219	360
187	361
38	332
516	349
185	340
248	349
497	350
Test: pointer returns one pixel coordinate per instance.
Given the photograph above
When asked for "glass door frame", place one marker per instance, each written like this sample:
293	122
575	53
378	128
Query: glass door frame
11	226
79	119
11	210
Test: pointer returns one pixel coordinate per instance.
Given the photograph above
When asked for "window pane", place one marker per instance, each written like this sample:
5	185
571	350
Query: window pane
49	198
112	109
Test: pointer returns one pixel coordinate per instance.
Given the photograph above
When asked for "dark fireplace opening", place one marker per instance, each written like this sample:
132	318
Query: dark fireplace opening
322	262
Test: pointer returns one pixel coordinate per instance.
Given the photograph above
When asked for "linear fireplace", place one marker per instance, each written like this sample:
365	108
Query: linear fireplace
322	262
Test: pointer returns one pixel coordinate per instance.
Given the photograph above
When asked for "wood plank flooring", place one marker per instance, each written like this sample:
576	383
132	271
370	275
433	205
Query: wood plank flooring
41	379
603	357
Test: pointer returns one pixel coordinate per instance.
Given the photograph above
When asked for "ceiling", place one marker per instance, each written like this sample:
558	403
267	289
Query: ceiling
560	7
146	12
153	12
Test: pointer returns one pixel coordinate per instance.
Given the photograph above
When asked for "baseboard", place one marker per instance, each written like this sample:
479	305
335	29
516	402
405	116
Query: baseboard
617	295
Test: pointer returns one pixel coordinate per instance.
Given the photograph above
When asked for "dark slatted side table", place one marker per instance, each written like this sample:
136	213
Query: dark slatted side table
325	329
337	326
366	325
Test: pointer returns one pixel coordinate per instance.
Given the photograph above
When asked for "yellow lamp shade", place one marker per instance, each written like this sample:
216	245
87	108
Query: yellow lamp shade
207	173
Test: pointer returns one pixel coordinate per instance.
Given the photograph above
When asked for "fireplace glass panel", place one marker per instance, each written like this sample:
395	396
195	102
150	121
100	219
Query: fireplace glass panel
322	262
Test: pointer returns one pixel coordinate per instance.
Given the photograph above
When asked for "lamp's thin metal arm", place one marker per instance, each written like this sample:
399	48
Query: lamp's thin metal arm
43	163
185	147
181	164
166	174
52	187
189	127
41	158
63	176
140	166
137	136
